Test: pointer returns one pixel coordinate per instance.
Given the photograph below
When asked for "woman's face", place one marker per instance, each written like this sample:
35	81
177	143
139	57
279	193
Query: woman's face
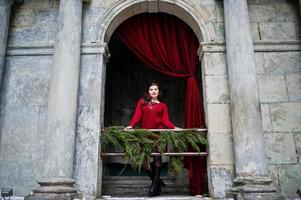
153	91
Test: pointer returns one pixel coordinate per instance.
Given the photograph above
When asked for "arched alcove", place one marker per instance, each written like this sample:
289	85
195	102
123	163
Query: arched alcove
119	12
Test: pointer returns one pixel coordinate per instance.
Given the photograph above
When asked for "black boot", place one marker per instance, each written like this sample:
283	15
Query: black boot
151	176
153	166
155	188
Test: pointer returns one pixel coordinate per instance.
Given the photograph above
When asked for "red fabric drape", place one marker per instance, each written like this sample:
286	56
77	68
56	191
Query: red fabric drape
166	44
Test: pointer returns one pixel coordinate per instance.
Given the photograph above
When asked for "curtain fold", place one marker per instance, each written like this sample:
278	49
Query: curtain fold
166	44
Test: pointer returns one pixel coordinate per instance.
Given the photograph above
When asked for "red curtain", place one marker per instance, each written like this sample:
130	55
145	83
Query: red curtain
166	44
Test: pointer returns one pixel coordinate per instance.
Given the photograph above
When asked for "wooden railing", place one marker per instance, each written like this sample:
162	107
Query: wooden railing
201	131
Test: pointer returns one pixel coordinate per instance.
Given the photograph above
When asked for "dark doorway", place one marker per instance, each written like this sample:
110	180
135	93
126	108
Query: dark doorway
127	79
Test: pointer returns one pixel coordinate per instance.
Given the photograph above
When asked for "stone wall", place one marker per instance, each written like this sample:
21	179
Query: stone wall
217	101
279	76
280	89
275	29
23	118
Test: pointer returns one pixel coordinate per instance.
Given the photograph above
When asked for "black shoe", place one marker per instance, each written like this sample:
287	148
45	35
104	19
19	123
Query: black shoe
154	190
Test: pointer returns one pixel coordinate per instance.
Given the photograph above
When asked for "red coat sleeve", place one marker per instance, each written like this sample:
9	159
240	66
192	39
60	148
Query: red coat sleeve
165	118
137	115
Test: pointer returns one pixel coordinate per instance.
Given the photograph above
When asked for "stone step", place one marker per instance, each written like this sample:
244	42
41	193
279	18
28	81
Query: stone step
162	197
137	186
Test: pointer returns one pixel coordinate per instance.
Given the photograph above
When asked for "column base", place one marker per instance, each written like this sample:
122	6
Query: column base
54	189
253	184
259	196
254	188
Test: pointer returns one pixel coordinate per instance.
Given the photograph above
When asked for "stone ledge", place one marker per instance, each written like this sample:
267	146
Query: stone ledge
259	46
52	196
48	49
258	180
100	48
55	189
56	181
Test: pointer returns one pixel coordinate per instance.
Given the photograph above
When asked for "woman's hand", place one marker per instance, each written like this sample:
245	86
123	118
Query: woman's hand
128	127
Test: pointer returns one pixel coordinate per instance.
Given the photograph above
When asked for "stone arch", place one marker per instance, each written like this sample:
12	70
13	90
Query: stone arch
197	19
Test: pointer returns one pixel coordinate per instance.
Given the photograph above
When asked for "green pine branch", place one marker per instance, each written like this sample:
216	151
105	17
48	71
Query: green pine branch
139	144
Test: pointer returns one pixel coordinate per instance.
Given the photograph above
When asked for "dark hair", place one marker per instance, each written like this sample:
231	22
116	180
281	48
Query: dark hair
146	97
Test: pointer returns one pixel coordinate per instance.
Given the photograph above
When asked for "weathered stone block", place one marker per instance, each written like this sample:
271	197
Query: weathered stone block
215	63
22	17
47	19
220	180
280	31
22	146
287	177
273	171
91	15
87	33
19	175
279	148
266	118
287	11
38	4
290	180
90	80
87	150
254	31
30	36
217	89
210	12
219	31
220	148
282	62
286	116
294	87
219	10
272	88
42	31
219	118
297	137
26	80
261	13
259	63
17	118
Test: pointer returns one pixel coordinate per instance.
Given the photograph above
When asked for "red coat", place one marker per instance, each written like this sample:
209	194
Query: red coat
151	116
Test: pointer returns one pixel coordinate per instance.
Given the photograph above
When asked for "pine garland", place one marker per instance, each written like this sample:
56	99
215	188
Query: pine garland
138	144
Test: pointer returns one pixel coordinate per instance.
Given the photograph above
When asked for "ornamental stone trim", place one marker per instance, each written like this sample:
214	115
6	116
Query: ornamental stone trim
197	19
101	48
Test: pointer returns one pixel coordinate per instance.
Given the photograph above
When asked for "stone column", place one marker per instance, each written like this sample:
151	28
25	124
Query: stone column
249	148
5	7
57	181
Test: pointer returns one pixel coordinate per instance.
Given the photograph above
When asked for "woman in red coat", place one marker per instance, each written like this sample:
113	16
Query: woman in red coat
152	114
